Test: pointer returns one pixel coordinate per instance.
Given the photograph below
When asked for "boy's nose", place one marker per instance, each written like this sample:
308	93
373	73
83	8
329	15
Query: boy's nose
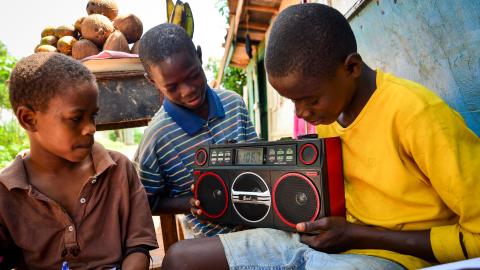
187	90
89	129
302	112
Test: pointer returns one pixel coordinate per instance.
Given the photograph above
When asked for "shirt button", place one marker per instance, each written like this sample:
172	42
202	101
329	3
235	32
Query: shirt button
94	180
70	228
83	200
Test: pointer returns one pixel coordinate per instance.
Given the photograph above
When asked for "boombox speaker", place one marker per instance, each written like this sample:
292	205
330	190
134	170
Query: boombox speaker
270	184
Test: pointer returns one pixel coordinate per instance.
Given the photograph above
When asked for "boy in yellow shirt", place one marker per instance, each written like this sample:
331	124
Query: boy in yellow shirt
411	165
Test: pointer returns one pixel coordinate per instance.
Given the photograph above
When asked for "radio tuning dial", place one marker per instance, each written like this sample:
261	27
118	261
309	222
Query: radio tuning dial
201	157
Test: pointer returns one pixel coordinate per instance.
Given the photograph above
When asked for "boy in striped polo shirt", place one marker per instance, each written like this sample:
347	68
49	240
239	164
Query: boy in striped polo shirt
192	114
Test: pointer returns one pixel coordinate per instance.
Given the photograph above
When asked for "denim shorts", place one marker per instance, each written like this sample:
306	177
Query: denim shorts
269	249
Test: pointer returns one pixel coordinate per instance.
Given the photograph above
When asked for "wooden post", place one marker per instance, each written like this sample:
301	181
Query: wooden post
169	230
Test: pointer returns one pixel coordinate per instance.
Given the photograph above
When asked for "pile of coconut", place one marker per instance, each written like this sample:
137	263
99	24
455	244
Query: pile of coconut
102	29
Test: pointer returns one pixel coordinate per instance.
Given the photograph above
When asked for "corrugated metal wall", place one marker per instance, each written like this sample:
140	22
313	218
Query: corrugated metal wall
436	43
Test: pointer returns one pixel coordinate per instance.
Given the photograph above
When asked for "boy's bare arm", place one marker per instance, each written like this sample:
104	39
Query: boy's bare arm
165	206
136	261
335	234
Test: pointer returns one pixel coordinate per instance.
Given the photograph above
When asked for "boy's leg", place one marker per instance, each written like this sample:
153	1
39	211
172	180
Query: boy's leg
263	249
196	254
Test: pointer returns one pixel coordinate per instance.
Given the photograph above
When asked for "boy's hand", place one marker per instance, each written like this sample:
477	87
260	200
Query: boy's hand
195	204
332	234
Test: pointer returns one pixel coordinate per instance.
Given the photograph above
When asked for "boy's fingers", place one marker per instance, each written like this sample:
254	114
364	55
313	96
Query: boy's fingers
192	201
197	203
301	227
312	226
308	240
192	187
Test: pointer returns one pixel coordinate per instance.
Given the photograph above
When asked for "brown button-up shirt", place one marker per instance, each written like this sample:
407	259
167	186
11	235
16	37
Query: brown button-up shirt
112	215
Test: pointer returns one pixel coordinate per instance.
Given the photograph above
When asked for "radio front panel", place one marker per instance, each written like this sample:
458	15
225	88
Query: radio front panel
265	184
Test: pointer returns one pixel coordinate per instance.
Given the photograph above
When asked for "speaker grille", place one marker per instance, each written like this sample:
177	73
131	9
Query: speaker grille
213	195
295	199
250	197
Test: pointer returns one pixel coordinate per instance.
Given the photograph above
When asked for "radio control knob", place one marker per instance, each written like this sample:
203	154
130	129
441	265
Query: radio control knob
201	157
308	154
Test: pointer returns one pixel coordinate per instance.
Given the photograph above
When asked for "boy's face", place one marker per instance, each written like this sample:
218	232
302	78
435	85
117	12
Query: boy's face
317	100
65	129
181	79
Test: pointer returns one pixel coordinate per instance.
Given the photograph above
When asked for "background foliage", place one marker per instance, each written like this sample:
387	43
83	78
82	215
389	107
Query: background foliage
13	138
233	78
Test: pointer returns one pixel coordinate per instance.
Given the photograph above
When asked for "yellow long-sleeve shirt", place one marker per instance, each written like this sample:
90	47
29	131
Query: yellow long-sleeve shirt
411	163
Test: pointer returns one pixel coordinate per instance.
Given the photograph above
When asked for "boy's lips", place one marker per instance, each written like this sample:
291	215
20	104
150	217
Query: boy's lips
194	100
85	145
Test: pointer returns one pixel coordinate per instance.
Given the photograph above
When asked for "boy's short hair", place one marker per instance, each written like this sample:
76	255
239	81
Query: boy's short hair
37	78
163	41
311	39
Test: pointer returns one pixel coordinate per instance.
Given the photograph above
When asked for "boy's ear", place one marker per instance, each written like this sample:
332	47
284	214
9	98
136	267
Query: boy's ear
153	82
354	64
148	77
27	118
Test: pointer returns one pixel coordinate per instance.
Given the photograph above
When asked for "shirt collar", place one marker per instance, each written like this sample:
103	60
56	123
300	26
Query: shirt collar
190	122
15	175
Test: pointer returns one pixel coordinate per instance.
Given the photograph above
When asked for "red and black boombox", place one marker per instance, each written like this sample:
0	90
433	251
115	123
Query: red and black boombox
270	184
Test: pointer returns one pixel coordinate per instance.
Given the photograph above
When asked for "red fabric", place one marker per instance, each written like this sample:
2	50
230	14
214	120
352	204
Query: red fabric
110	54
335	176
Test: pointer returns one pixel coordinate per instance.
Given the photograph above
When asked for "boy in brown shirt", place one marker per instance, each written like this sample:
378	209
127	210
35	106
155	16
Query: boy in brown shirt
68	199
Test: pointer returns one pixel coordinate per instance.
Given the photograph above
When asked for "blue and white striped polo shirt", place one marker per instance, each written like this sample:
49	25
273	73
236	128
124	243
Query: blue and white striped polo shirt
165	156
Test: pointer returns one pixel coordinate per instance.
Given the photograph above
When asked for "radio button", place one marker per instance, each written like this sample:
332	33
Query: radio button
214	153
220	159
271	152
227	154
271	158
289	158
280	152
289	151
220	154
280	158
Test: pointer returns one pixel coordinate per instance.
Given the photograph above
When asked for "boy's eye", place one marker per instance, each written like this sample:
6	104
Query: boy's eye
172	88
75	119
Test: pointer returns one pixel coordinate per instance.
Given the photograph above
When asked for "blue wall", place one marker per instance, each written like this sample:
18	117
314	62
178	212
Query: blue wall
436	43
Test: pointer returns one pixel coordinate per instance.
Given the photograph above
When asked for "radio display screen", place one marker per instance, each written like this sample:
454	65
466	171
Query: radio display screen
250	156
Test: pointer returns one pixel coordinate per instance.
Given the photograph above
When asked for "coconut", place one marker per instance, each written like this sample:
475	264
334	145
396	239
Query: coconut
49	40
64	30
130	25
84	48
78	24
116	42
97	28
107	8
135	47
45	48
48	31
65	44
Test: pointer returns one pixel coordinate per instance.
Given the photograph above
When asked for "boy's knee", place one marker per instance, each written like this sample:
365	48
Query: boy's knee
178	257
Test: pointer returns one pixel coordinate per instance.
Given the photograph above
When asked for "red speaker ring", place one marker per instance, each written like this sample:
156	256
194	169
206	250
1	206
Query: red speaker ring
275	202
200	178
196	157
309	162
